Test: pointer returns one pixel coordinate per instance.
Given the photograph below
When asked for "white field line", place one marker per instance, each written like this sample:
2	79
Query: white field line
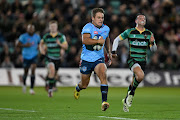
17	110
117	118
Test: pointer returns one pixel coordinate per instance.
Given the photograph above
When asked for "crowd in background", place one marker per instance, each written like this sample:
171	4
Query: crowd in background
163	19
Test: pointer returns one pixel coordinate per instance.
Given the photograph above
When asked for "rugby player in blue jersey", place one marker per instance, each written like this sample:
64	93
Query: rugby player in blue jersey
94	33
29	43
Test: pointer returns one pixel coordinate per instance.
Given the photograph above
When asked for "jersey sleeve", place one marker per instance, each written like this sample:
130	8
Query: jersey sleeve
125	34
63	39
21	39
86	29
43	38
39	39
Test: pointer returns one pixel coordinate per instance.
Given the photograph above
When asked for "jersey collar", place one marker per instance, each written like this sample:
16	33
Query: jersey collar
140	30
54	34
97	27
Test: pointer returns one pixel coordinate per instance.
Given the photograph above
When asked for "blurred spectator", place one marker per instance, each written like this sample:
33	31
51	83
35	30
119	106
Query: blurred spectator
7	63
16	5
154	63
5	52
29	13
30	3
4	6
45	14
163	19
169	63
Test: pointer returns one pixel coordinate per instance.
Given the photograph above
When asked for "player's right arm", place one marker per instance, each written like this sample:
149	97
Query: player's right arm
42	47
89	41
21	42
119	38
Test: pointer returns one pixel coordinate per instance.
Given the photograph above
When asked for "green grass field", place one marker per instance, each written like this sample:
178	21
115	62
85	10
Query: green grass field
148	104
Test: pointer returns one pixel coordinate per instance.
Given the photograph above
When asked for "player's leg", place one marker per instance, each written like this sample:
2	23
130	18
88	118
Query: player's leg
85	78
100	70
50	78
26	66
57	64
137	78
86	70
33	68
55	80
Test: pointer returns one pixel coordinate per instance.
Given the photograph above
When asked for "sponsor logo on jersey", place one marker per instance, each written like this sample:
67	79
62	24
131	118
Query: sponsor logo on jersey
138	43
95	32
52	45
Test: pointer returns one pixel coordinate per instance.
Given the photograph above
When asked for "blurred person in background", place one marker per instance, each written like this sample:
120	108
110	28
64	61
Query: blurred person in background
53	46
7	63
140	39
29	43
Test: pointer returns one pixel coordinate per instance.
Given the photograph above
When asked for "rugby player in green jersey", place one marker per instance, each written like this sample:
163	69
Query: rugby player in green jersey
53	45
140	39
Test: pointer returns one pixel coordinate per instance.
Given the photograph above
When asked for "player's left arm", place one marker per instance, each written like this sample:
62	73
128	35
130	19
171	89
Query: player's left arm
153	46
64	44
108	49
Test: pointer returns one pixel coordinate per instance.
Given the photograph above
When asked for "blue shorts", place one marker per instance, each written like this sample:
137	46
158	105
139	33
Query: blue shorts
88	67
27	62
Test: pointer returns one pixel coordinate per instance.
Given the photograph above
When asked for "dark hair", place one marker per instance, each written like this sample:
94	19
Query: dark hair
139	14
53	21
96	10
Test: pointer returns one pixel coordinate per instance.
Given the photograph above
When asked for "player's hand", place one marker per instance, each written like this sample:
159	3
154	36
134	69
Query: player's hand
110	59
43	52
101	41
27	45
152	39
114	55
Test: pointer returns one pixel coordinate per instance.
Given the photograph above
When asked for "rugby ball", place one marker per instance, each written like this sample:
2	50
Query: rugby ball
97	47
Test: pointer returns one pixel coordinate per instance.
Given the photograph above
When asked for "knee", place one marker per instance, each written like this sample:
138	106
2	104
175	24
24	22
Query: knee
140	76
51	69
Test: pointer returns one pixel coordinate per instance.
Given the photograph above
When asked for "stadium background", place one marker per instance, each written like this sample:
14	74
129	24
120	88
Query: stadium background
150	103
163	19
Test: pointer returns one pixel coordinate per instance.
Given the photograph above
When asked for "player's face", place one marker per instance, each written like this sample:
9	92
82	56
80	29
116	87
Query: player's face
53	27
141	20
30	29
98	19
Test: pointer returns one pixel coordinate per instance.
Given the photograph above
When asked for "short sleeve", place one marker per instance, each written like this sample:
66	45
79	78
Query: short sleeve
39	39
125	34
63	39
21	39
86	29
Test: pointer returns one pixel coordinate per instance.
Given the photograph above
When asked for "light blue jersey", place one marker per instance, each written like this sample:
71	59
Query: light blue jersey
32	51
88	54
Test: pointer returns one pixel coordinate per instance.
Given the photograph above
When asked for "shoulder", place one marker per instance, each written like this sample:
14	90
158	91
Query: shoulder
88	25
106	27
129	30
45	35
37	35
60	34
23	35
148	31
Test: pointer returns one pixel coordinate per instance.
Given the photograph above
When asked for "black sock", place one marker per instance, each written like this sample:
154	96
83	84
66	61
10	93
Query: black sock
24	79
51	82
135	85
104	92
55	83
32	81
129	88
78	88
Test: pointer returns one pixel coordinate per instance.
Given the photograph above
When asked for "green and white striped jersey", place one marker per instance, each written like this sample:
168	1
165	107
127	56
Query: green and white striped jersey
53	49
139	42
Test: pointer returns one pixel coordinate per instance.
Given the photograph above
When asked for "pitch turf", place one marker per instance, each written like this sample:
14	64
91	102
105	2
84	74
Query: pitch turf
148	104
